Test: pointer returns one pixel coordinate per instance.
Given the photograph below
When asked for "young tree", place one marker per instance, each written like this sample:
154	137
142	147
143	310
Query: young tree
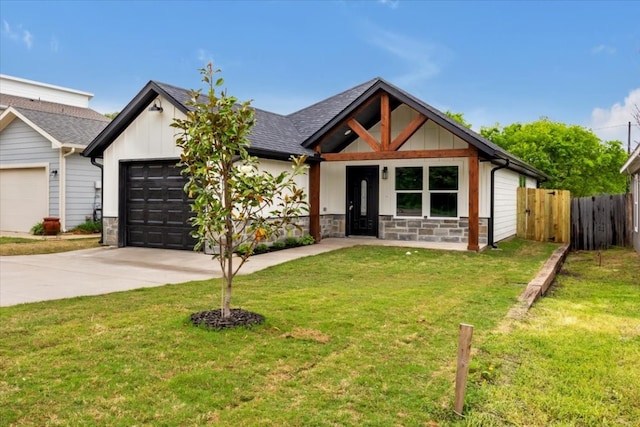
234	202
573	156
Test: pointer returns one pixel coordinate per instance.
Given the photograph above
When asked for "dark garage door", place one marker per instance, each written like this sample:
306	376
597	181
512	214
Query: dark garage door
156	206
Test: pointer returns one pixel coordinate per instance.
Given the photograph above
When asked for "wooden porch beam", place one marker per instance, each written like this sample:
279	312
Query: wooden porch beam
474	200
408	132
364	105
391	155
364	134
314	201
385	121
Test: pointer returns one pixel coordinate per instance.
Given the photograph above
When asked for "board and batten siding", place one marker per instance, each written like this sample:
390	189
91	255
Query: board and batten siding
505	204
149	137
81	192
21	146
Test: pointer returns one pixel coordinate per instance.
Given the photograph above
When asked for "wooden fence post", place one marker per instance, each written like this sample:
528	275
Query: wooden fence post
464	354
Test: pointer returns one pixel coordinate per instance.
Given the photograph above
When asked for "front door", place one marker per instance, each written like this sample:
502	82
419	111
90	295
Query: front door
362	201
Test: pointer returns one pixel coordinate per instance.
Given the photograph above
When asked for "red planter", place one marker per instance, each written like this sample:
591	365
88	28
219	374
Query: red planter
51	226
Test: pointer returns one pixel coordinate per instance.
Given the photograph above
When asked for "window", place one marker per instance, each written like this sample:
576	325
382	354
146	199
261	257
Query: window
443	191
409	184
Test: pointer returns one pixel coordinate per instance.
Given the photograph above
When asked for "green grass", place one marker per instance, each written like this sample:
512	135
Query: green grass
575	359
360	336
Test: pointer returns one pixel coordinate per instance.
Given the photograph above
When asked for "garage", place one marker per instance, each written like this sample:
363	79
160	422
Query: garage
24	198
156	208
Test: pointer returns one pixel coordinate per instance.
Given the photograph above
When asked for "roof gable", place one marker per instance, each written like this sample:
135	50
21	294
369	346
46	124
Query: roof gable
60	129
632	165
279	136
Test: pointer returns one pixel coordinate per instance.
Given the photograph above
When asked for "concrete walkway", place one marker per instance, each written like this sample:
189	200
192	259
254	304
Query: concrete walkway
31	278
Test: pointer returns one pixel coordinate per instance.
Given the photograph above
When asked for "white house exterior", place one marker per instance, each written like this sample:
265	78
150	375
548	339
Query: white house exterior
632	167
43	131
382	164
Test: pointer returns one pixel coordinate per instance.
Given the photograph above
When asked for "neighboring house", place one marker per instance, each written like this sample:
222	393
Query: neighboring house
632	167
43	131
382	164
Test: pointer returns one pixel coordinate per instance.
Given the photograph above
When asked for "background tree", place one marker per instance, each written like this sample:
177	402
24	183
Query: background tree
573	156
458	117
234	202
111	115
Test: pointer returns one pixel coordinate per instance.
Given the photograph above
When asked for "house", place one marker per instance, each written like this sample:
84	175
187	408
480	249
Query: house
43	131
632	167
382	164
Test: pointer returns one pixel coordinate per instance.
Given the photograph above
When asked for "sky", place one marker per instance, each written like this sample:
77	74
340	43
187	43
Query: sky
576	62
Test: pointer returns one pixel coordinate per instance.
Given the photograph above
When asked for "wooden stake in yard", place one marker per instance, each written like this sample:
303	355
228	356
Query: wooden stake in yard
462	370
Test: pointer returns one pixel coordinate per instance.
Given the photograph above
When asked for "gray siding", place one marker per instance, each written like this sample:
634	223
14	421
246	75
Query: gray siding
82	196
20	144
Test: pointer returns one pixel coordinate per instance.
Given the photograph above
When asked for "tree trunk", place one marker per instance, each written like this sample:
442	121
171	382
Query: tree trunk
228	249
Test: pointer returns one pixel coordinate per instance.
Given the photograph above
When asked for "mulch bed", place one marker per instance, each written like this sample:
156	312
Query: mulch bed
212	319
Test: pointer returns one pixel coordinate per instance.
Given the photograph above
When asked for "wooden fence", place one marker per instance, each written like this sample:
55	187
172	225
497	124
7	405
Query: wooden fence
599	222
544	215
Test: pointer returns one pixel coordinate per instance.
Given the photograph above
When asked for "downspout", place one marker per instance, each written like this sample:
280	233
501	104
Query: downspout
491	203
93	162
63	189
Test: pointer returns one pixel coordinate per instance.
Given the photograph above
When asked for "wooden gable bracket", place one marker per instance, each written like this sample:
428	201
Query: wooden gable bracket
385	145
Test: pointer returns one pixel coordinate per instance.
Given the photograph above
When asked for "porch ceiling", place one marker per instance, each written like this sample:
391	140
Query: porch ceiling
341	135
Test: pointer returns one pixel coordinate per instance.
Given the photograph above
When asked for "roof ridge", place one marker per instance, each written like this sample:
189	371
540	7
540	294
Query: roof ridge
367	83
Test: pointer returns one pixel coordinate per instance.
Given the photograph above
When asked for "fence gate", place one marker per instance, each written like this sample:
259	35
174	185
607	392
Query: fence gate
544	215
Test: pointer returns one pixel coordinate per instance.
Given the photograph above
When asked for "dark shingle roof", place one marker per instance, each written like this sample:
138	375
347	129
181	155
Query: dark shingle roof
310	119
272	133
278	136
65	128
50	107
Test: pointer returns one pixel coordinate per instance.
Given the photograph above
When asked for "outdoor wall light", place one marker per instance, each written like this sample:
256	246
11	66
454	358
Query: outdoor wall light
157	106
385	172
54	172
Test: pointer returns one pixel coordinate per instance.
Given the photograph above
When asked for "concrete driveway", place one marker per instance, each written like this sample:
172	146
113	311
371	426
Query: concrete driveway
31	278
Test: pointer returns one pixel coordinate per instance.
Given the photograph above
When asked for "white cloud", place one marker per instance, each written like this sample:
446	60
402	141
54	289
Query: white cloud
420	59
612	123
18	34
603	49
27	38
393	4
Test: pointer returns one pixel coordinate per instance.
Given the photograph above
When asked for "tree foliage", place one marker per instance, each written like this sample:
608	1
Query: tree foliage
235	203
458	117
573	156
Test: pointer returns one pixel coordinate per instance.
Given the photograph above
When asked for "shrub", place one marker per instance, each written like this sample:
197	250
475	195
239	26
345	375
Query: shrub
307	239
89	227
38	229
261	248
291	241
279	245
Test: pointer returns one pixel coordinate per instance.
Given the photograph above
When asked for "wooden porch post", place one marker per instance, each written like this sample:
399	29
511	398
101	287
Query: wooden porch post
474	201
314	201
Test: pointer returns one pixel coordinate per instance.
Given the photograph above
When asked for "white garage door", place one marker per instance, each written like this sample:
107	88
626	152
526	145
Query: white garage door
23	198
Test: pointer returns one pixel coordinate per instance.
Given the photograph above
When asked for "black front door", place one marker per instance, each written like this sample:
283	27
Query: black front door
362	200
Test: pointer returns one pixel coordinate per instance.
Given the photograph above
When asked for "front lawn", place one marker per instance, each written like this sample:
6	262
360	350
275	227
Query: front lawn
575	359
360	336
40	245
